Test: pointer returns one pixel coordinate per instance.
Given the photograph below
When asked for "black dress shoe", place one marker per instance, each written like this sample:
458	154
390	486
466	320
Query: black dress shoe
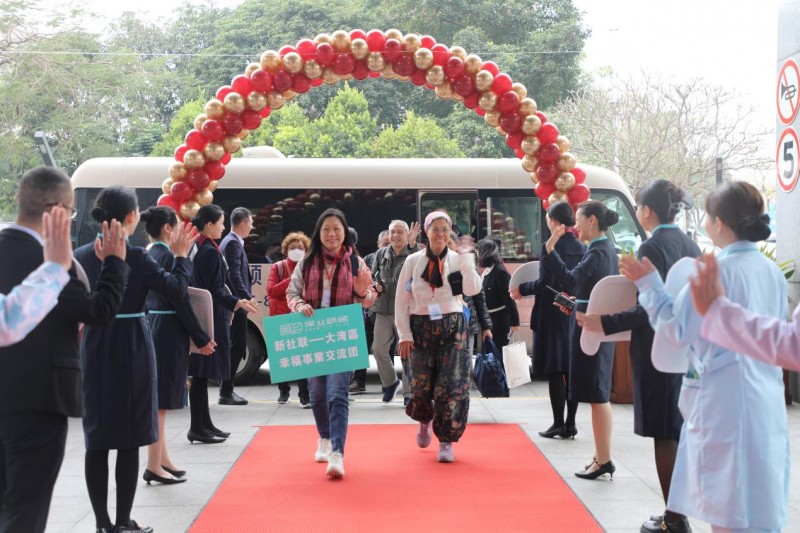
218	432
149	476
233	399
205	437
176	473
132	528
553	432
607	468
653	526
104	530
569	432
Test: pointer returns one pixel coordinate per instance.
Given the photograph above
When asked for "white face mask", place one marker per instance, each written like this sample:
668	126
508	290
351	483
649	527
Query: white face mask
296	254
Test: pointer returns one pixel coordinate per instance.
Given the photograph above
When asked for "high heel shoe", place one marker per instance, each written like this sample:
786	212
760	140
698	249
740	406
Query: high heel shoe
553	432
219	433
205	438
568	432
176	473
149	476
133	528
607	468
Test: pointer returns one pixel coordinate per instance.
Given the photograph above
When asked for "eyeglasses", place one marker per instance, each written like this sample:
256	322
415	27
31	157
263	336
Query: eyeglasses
439	231
73	213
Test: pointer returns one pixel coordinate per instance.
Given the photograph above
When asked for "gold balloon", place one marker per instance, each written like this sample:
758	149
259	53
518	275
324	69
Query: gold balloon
411	42
528	106
346	77
563	144
292	62
565	181
459	52
520	89
271	61
483	80
376	62
256	101
531	125
457	97
167	185
275	100
435	75
178	171
288	94
394	34
488	101
530	163
252	67
388	72
329	76
322	38
212	186
492	118
204	197
534	178
566	162
189	209
243	134
557	196
340	40
234	103
214	151
359	48
232	143
198	121
423	58
214	109
403	78
501	131
444	90
473	64
530	145
194	159
313	69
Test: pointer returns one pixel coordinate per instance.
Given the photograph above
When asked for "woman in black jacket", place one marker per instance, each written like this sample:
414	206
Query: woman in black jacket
496	279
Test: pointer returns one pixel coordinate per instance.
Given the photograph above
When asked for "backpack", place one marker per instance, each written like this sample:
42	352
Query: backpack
490	378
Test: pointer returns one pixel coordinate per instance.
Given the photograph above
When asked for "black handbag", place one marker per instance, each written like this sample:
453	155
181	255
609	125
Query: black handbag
490	378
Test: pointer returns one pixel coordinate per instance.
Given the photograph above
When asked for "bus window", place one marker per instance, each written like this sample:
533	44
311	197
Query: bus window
625	235
86	229
515	221
461	206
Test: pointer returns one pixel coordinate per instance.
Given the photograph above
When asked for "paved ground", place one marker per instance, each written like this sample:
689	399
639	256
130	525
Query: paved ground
619	505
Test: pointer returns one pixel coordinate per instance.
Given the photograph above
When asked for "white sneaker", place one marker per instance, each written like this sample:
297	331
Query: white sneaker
335	465
323	450
424	434
446	454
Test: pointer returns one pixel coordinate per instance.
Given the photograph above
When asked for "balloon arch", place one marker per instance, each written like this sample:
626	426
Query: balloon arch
280	76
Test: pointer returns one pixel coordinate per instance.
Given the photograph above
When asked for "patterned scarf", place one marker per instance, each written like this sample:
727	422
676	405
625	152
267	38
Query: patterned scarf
433	272
341	278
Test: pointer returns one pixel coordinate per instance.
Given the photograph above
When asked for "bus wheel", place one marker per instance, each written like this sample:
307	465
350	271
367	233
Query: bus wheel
254	356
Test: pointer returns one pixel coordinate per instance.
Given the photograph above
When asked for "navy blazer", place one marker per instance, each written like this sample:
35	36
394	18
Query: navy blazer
238	266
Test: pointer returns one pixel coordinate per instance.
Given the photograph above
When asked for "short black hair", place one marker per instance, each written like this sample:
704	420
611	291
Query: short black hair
239	215
38	187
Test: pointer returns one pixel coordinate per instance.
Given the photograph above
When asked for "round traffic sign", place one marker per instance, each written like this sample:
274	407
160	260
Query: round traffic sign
786	159
787	91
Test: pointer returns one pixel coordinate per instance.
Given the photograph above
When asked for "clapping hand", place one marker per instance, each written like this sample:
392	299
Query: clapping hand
57	242
183	239
633	269
113	241
706	286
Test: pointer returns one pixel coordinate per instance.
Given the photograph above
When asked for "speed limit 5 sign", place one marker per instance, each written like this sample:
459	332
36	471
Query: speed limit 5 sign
786	159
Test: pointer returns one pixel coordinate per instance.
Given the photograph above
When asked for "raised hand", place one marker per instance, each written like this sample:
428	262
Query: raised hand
113	241
183	239
633	269
466	245
57	242
363	281
706	286
557	233
413	232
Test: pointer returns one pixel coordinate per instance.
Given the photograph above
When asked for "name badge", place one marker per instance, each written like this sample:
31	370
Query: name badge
435	311
326	298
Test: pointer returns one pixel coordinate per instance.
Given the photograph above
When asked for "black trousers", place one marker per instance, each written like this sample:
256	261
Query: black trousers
238	350
31	451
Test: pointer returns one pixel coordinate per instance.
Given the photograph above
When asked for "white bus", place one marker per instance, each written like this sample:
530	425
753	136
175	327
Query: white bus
484	196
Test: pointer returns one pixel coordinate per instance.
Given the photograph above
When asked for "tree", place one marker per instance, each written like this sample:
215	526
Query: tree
416	137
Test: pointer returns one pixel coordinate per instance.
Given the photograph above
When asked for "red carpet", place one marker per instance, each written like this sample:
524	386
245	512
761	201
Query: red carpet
500	482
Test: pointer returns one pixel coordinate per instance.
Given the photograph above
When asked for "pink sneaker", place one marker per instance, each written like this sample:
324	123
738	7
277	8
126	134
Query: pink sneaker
446	454
424	434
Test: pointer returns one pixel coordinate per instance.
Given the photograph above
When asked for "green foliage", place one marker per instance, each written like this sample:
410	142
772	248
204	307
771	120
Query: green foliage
416	137
786	267
179	126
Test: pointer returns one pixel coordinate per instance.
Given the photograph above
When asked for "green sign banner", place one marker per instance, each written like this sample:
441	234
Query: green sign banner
330	341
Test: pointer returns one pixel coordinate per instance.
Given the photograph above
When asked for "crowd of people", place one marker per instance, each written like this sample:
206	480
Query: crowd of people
108	333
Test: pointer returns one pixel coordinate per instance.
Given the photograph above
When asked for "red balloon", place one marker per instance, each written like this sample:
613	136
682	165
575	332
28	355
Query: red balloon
454	68
514	139
404	65
541	116
441	54
181	191
548	154
242	85
216	169
547	173
213	130
222	92
165	200
282	81
544	190
471	100
180	151
199	180
307	49
325	54
375	40
501	84
361	70
374	74
316	82
508	102
426	41
548	133
519	153
479	110
580	175
510	122
300	84
286	49
264	113
464	85
392	49
344	64
261	81
579	193
418	77
232	123
492	67
251	119
357	34
195	140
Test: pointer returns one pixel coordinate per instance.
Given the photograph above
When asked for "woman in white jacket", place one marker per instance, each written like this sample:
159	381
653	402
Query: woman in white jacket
432	331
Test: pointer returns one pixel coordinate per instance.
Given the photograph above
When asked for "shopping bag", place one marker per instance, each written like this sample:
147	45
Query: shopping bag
489	375
517	364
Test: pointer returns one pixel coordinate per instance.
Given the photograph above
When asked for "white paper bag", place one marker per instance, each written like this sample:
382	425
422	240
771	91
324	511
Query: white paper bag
517	363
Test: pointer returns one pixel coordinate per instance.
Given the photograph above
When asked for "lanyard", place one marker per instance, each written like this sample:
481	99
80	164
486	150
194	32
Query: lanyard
329	275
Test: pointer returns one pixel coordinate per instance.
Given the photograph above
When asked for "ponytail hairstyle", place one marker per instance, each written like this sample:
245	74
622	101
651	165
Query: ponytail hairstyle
740	206
605	217
665	199
562	213
156	218
208	213
114	203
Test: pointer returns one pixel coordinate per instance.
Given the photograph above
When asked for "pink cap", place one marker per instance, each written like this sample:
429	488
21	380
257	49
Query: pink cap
435	215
